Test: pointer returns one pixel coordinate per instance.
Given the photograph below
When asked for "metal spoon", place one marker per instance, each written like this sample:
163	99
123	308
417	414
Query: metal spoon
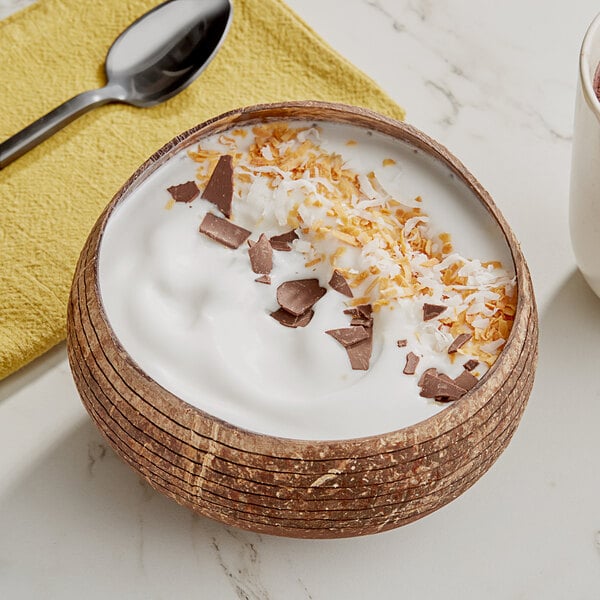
155	58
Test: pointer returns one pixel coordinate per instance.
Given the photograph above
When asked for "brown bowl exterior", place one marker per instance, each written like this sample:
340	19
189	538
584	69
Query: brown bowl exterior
297	488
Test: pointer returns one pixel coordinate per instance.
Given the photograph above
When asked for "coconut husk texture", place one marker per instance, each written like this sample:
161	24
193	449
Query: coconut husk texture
297	488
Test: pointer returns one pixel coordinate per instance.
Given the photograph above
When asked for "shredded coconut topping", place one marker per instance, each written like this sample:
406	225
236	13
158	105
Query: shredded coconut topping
385	247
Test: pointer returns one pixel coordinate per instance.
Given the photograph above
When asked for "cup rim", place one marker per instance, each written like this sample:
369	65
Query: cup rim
587	84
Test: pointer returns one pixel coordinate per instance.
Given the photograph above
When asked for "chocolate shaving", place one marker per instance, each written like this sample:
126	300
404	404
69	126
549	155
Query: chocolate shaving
458	342
401	343
264	279
360	354
444	377
445	398
261	256
470	364
366	310
430	371
299	295
184	192
348	336
339	284
219	189
430	311
288	237
289	320
357	321
465	380
361	315
281	246
440	387
223	231
283	240
412	360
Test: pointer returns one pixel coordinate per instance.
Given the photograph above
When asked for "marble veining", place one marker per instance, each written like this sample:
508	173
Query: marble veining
141	541
243	568
455	105
467	74
96	452
496	84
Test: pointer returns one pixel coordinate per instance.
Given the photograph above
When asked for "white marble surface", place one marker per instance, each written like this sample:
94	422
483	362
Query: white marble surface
494	81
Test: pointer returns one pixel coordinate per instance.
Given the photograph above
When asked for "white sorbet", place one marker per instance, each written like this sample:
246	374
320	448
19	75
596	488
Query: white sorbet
190	314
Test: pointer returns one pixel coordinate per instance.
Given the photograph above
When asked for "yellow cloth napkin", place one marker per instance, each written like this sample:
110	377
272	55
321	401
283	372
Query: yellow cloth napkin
51	196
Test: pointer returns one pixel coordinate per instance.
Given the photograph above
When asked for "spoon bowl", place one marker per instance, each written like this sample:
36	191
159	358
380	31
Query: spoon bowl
163	52
154	59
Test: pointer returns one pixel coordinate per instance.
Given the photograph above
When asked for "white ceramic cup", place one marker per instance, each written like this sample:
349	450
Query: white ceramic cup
584	198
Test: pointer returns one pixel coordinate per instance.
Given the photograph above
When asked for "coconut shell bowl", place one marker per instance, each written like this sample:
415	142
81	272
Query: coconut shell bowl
281	484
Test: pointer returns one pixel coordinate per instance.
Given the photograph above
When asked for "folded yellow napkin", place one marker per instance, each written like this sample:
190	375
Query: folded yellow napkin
51	197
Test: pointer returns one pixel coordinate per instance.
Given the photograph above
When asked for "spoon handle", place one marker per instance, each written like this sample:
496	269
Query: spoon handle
45	126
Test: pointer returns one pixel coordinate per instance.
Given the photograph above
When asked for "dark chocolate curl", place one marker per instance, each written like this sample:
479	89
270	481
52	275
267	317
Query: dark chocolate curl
299	295
223	231
219	189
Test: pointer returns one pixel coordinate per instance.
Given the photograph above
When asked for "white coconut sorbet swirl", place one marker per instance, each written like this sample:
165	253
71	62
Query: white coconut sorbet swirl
189	311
